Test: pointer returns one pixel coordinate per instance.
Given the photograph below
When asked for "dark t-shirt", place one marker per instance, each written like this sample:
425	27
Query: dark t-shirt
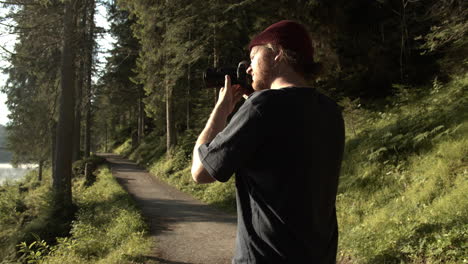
285	147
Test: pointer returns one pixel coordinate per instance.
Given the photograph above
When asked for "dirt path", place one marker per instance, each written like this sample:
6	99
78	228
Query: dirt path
184	229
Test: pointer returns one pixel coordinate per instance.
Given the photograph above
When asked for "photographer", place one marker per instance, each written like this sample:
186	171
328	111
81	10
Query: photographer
285	146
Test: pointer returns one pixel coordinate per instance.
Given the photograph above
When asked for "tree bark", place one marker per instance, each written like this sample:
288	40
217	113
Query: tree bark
141	118
105	139
39	174
189	80
77	123
215	59
64	146
79	87
53	134
171	139
89	62
170	122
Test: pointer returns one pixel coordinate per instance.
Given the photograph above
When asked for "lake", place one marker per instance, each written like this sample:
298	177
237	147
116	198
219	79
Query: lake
8	172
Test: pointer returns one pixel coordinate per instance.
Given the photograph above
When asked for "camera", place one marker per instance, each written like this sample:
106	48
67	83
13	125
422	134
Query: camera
214	77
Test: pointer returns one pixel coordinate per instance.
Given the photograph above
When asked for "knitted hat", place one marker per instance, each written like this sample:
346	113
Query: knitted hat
290	35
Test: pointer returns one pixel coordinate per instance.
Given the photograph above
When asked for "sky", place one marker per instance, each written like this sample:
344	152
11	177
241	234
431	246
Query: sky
7	41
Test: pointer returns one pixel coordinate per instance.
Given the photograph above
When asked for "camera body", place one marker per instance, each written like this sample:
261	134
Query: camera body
214	77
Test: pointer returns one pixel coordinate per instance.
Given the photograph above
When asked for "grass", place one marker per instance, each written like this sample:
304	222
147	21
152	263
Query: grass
108	228
403	193
176	171
23	206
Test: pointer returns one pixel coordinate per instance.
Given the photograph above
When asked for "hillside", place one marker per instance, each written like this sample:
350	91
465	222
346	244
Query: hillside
5	156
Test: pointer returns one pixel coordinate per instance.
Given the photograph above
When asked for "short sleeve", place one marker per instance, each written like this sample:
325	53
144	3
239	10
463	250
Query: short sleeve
235	145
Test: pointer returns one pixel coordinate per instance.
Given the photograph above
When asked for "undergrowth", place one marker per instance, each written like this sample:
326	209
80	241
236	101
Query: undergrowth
107	228
403	189
175	170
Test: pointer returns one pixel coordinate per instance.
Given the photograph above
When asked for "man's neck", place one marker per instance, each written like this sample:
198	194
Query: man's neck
282	82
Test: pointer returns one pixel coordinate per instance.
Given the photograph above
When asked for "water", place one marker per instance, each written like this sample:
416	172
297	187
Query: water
8	172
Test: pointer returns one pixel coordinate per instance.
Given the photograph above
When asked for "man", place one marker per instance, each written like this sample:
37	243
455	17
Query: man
285	145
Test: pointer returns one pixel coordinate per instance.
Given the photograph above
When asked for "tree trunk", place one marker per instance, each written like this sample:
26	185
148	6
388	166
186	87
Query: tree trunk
53	134
77	124
141	118
79	86
39	174
170	122
105	139
189	80
63	155
89	62
87	142
171	139
215	60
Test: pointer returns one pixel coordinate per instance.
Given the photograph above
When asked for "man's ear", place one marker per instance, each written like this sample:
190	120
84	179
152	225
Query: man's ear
279	55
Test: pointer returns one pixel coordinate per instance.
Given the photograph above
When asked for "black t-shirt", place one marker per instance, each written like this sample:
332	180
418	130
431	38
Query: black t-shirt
285	147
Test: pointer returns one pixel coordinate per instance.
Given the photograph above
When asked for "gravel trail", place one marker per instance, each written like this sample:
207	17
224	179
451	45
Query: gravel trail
184	230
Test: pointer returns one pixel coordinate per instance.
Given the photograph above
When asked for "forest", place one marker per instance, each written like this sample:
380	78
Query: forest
397	68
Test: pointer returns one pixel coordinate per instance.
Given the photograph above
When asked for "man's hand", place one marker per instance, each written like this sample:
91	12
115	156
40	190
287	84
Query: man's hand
229	95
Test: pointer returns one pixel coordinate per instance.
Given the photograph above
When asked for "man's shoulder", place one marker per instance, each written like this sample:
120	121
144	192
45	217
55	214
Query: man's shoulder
267	96
286	95
273	100
262	95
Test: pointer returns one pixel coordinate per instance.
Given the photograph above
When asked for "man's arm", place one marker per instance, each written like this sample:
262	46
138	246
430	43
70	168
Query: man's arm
228	97
216	123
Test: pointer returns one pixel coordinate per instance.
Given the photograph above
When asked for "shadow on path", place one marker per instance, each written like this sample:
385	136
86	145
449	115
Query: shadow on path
184	229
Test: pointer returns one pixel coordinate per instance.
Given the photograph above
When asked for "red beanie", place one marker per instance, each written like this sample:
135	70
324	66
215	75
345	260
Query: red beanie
290	35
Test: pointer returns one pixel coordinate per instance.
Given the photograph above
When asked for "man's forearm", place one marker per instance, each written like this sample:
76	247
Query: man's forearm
216	123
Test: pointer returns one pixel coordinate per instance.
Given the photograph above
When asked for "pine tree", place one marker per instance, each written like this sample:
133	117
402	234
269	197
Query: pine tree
32	82
119	94
64	146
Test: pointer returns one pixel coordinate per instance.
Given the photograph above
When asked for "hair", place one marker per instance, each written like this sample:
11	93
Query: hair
309	69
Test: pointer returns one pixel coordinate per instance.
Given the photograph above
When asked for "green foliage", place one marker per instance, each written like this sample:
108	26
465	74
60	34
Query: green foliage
23	206
366	46
353	115
86	167
402	194
108	227
125	148
93	161
149	150
402	161
32	82
34	252
446	35
175	170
